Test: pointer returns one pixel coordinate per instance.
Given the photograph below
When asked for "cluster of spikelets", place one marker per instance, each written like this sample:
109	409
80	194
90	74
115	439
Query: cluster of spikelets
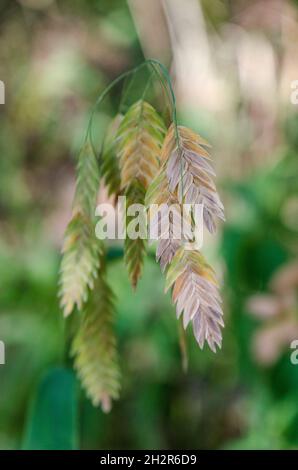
148	164
185	176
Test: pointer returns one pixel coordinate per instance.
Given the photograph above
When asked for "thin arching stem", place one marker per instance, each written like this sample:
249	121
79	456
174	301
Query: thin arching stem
164	79
105	92
154	63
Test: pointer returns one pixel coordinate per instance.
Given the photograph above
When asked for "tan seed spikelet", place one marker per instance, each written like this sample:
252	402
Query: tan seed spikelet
80	262
172	226
162	219
195	293
134	250
189	172
139	141
80	252
139	138
185	178
158	191
94	347
87	182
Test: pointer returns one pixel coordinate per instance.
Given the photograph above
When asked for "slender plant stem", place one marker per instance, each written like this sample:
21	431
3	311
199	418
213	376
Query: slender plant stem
105	92
125	75
155	64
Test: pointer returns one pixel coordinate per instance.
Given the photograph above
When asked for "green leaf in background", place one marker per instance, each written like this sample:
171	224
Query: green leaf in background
52	418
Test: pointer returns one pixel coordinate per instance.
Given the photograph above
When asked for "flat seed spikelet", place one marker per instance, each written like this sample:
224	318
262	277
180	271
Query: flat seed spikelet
185	178
80	263
81	250
94	347
195	293
87	181
140	138
189	172
166	218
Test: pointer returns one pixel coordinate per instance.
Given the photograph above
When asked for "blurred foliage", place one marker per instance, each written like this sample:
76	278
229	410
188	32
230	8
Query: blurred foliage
52	422
55	57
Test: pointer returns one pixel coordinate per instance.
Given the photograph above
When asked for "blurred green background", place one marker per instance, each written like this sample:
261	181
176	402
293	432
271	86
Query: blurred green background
232	65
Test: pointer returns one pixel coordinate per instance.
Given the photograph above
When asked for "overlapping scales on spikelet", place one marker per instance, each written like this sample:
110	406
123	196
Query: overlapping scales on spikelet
158	194
158	191
81	249
87	182
140	138
189	172
167	221
166	249
80	262
195	293
94	346
134	250
110	170
185	177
